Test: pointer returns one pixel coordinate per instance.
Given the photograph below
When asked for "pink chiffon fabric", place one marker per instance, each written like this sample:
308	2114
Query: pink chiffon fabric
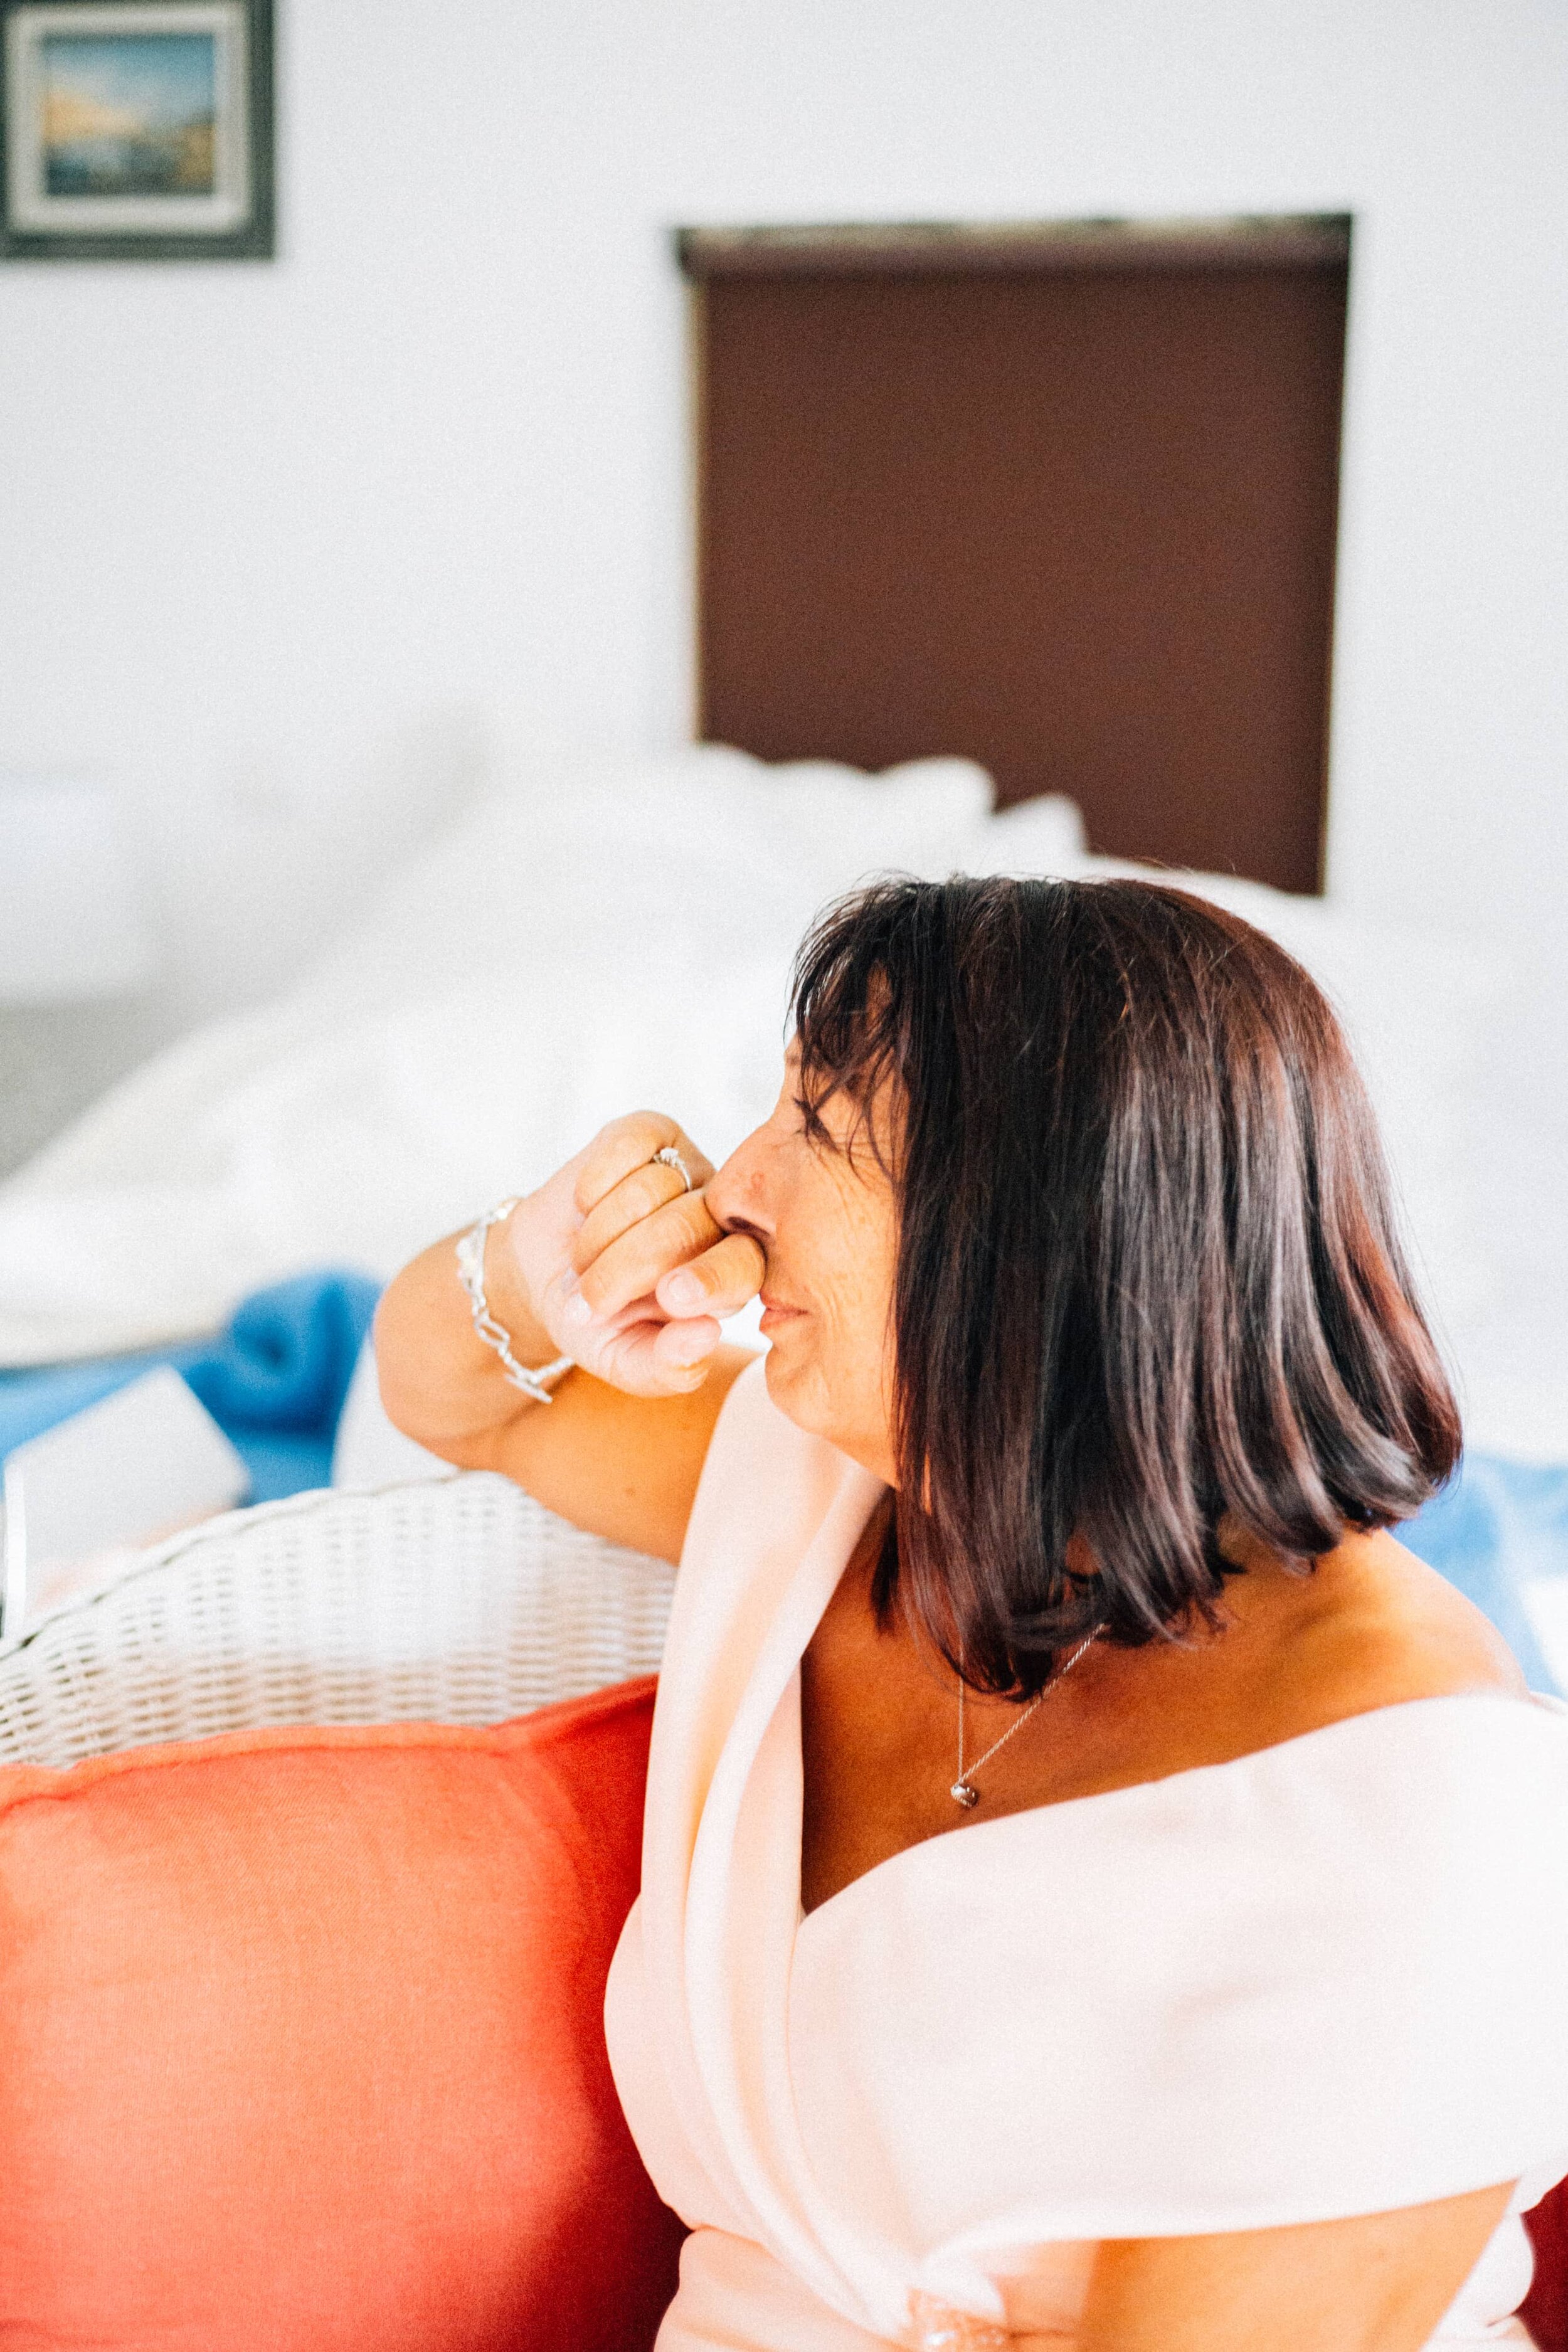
1323	1980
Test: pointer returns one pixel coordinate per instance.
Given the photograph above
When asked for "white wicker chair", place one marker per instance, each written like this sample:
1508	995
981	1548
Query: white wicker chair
452	1601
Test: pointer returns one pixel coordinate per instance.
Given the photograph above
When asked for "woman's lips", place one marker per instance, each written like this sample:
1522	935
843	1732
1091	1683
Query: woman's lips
775	1313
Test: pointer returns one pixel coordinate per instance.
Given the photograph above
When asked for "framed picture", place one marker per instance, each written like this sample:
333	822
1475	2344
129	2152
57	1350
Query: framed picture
135	130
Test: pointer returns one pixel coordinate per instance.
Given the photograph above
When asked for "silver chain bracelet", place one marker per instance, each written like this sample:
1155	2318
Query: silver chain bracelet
537	1384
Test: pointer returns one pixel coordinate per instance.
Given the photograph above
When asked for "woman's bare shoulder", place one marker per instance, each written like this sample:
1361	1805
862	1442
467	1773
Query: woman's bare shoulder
1370	1626
1400	1630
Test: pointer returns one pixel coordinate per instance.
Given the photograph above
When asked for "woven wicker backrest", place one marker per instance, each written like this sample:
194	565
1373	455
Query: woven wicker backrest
453	1601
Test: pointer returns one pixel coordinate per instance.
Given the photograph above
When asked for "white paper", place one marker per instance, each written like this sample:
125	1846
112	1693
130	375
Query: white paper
87	1493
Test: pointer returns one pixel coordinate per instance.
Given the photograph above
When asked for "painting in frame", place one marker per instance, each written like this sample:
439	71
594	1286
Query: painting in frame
136	130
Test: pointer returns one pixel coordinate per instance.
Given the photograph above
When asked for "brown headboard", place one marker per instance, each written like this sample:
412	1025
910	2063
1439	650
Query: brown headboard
1061	499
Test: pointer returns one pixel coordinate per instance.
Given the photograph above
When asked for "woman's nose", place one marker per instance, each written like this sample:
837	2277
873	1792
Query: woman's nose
737	1196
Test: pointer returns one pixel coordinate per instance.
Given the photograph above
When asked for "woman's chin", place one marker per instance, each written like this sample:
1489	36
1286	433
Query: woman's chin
788	1375
797	1386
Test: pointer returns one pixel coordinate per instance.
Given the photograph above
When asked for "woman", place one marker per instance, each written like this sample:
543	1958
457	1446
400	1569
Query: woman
1056	1517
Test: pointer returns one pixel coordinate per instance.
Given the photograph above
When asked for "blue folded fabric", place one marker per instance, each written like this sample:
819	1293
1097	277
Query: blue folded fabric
1494	1526
274	1381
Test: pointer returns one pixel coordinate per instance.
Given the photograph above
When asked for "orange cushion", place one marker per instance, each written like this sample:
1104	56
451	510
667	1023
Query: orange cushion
302	2047
1544	2310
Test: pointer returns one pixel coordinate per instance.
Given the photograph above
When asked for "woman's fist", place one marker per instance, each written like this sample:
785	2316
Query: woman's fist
625	1267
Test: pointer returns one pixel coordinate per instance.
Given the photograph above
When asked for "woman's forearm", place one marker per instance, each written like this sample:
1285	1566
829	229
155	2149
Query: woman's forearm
440	1382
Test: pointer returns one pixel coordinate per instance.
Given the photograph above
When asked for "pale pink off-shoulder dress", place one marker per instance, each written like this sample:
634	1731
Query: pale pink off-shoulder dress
1324	1980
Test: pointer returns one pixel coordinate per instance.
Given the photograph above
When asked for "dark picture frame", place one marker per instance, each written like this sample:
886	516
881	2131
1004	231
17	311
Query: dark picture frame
136	130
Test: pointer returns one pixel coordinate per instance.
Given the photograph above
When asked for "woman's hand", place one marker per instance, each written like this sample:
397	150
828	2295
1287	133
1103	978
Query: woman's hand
591	1267
625	1269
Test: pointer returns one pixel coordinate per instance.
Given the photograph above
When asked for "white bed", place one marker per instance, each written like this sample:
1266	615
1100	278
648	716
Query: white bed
591	940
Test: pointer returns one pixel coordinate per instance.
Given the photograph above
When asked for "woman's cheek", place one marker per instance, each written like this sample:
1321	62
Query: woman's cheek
858	1336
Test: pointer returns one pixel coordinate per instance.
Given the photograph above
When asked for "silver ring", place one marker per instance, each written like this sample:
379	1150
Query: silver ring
672	1158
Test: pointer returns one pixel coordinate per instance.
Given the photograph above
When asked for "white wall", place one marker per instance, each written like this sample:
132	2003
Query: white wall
285	545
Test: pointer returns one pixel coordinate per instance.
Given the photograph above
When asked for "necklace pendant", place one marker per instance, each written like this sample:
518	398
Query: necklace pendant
963	1794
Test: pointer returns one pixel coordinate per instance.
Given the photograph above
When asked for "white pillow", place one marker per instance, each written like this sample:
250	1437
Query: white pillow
685	862
1038	836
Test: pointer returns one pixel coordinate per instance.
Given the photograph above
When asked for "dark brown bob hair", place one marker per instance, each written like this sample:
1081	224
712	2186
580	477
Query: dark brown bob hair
1148	1273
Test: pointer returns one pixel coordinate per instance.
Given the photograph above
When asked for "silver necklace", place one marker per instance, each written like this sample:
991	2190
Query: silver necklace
963	1790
